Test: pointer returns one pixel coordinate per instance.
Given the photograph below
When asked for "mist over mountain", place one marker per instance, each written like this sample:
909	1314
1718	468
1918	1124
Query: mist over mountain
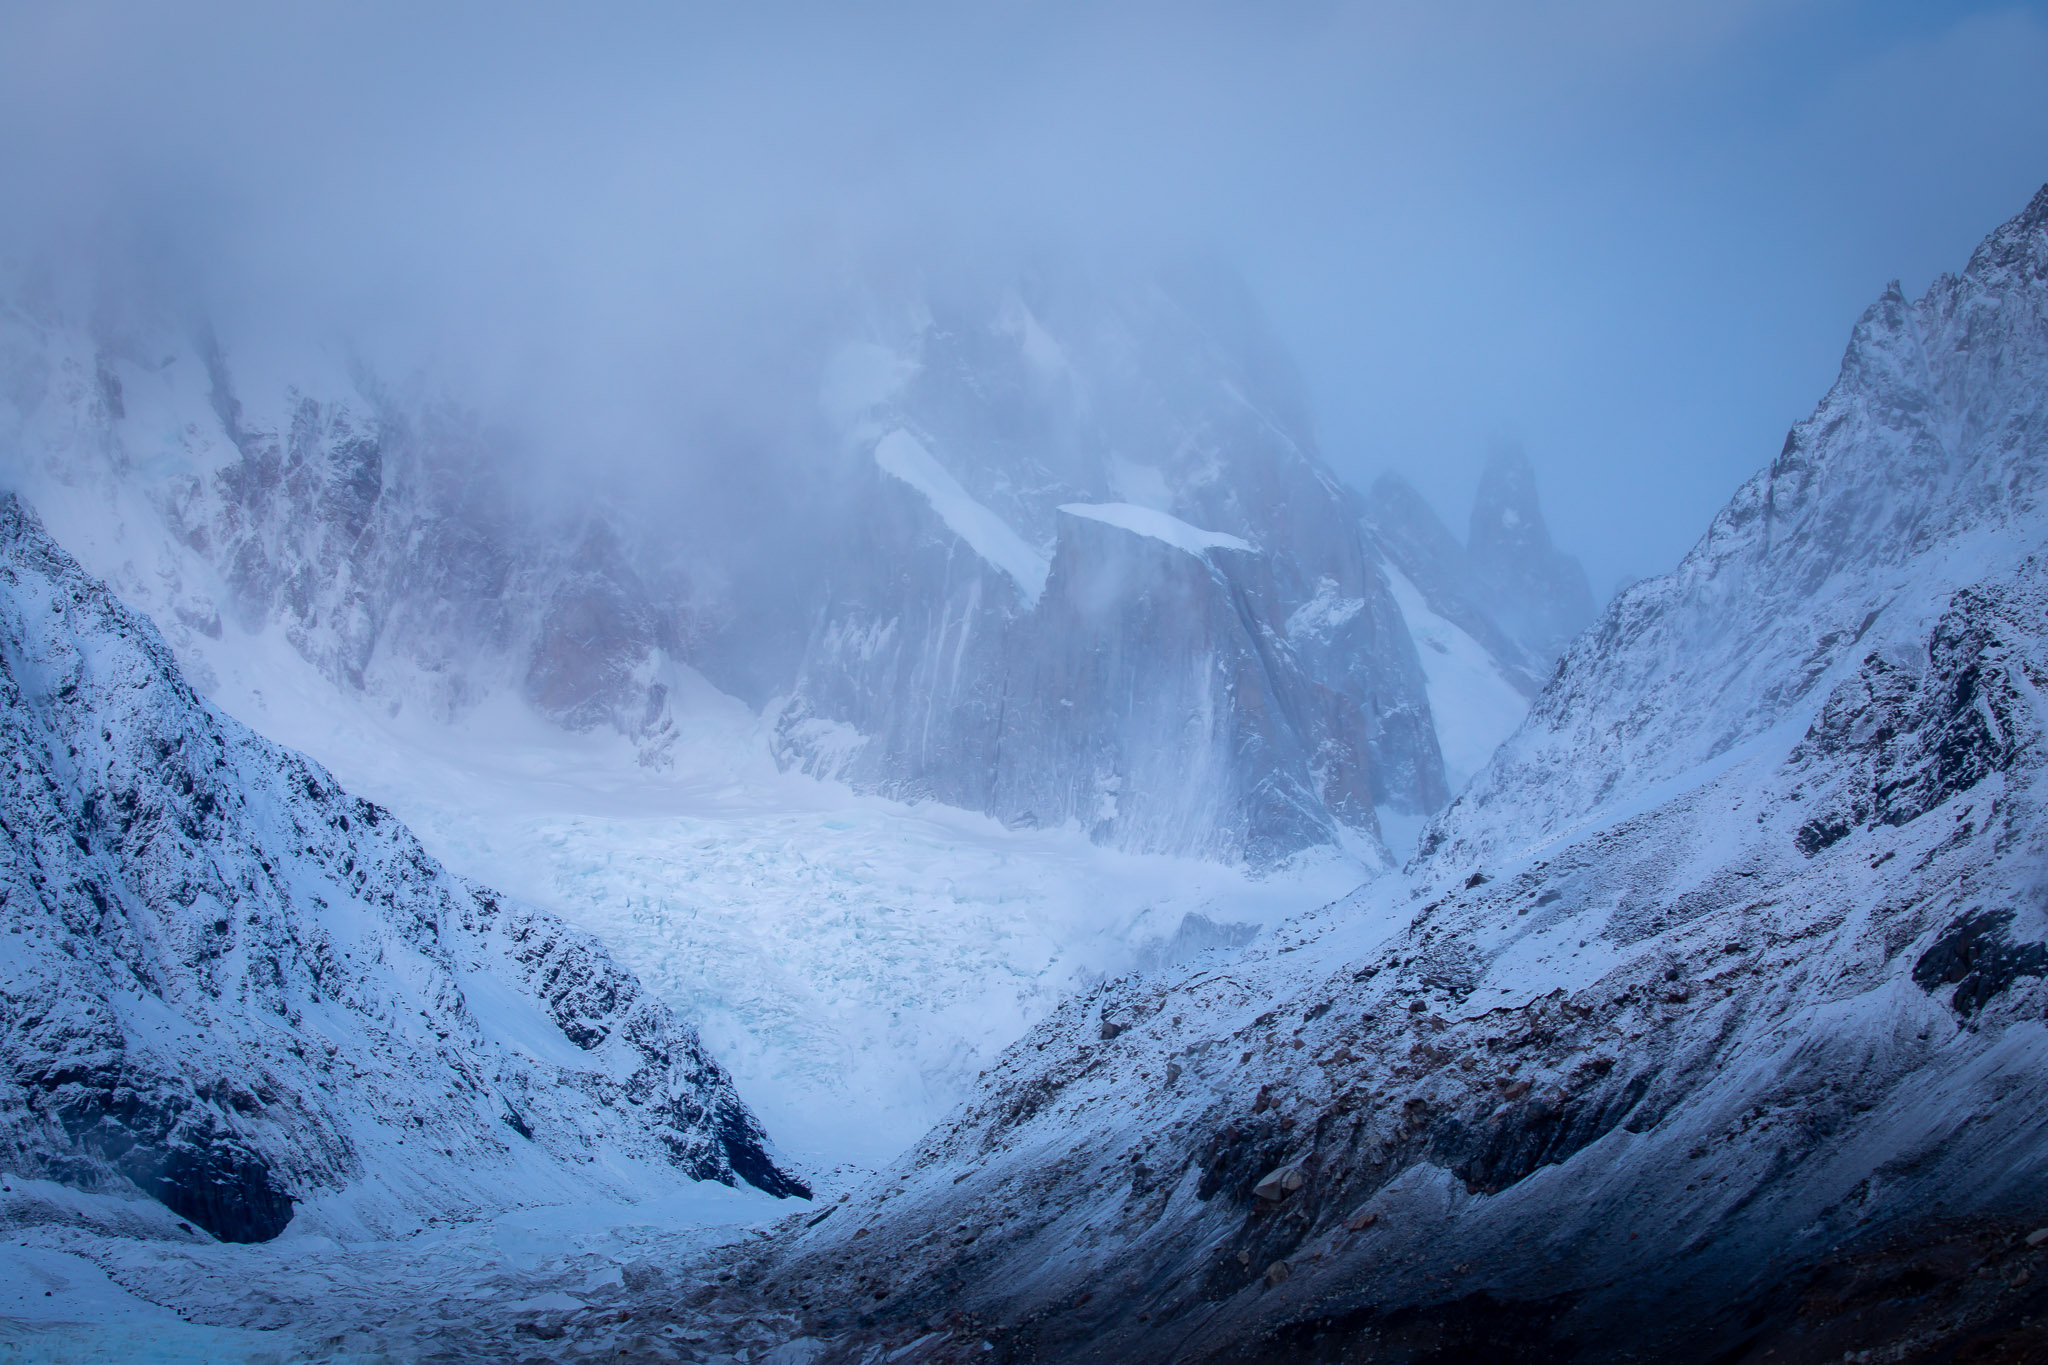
1059	547
939	683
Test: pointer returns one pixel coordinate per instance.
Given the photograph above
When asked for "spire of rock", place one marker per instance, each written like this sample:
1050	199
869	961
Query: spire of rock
1536	593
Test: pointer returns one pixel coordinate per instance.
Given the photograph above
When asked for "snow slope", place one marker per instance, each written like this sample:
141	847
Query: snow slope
1476	704
231	986
1150	521
903	456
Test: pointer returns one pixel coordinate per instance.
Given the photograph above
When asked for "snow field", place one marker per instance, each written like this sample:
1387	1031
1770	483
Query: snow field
1156	525
1474	706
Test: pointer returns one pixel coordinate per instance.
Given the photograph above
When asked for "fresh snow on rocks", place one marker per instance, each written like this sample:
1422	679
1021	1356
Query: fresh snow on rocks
1149	521
233	987
900	454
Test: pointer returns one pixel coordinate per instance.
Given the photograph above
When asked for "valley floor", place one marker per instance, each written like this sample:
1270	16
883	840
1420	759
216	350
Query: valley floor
76	1293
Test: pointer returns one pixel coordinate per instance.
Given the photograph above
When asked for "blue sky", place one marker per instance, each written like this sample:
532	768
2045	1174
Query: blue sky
1630	235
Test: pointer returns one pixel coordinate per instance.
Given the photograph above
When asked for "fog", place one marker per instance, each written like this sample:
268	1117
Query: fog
1630	237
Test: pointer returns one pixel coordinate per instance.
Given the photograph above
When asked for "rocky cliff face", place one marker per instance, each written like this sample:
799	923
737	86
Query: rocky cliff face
989	419
374	530
1224	745
1156	689
235	988
1708	1027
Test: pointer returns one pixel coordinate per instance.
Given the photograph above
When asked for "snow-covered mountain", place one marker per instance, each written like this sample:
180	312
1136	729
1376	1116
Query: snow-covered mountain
1709	1024
1141	604
233	987
1918	475
1062	551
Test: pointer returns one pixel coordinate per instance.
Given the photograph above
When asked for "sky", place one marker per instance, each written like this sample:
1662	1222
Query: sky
1629	236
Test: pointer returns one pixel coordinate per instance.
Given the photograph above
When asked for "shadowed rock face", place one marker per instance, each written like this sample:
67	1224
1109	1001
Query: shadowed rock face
941	673
232	986
1213	746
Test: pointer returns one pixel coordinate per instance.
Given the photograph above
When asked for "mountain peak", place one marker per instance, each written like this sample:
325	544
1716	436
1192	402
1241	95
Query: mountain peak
1538	595
2020	243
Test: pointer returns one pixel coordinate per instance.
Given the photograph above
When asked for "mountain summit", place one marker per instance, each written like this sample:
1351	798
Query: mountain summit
1534	591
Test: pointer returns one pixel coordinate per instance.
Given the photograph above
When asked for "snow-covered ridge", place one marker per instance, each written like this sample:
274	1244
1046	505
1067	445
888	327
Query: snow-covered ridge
903	456
1157	525
231	986
1920	473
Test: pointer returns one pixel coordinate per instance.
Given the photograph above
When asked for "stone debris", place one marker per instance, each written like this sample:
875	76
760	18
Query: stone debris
1277	1184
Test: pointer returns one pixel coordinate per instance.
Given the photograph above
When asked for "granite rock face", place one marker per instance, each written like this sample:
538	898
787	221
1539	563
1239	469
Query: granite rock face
235	988
1005	437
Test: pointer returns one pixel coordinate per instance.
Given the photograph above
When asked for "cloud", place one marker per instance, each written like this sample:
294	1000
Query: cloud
1631	233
